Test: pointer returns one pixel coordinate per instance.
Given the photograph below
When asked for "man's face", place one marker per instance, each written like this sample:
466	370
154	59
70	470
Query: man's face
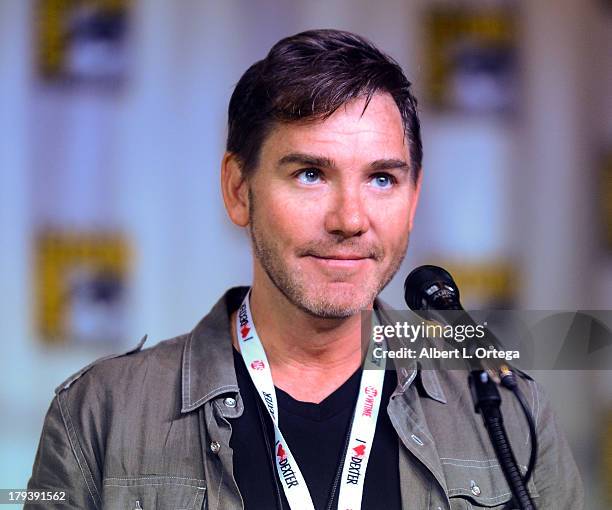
331	206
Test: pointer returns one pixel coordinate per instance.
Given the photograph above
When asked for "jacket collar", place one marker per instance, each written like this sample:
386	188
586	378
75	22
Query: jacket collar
208	361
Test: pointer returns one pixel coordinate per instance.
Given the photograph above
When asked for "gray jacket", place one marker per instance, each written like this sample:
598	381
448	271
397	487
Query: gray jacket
149	429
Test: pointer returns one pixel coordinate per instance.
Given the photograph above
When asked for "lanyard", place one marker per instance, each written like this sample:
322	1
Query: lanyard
363	426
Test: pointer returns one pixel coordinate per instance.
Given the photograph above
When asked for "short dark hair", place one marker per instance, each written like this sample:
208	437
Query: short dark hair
307	77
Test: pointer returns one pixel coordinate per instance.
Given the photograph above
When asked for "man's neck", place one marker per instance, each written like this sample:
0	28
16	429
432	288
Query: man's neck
309	357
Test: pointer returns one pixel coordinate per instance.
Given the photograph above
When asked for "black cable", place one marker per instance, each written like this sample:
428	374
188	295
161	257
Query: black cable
508	379
501	445
487	402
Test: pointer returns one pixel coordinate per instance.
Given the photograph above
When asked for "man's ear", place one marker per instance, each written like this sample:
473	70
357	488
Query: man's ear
235	191
416	193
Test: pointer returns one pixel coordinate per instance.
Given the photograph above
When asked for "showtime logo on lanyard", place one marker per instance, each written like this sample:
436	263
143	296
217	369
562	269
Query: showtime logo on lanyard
285	467
258	365
368	405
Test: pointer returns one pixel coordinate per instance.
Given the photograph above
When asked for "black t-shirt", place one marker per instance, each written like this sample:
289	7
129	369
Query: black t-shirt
316	434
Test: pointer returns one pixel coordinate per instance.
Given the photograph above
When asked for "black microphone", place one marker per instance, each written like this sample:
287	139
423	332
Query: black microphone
431	288
431	292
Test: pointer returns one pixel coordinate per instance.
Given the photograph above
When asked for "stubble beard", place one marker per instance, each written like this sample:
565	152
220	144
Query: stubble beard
294	288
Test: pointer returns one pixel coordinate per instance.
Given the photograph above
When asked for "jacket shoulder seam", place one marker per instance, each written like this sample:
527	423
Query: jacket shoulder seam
70	380
78	452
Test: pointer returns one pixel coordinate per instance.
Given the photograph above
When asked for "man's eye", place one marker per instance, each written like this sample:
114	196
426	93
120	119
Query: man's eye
309	176
383	180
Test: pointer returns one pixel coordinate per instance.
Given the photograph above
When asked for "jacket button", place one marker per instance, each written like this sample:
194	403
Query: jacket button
230	402
475	488
215	447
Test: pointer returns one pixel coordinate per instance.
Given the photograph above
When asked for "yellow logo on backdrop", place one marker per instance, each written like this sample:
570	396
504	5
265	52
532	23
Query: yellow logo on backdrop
70	265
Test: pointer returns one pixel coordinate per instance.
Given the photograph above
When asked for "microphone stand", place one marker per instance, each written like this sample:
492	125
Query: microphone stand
487	402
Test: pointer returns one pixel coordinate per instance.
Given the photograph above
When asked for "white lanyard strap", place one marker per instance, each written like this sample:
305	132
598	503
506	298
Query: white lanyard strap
363	426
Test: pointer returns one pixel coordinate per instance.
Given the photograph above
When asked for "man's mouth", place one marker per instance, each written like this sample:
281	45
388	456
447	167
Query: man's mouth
340	261
341	256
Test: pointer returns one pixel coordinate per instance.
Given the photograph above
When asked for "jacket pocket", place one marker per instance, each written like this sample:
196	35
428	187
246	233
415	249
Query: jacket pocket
478	484
150	492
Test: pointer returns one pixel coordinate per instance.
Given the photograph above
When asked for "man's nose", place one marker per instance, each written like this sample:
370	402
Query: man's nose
347	215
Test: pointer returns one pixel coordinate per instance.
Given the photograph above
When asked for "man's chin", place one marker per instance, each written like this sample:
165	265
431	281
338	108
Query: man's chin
339	302
329	310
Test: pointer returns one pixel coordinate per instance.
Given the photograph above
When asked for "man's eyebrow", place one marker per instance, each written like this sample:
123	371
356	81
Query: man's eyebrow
301	158
389	164
314	160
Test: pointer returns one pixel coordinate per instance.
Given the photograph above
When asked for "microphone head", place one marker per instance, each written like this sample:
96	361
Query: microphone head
431	288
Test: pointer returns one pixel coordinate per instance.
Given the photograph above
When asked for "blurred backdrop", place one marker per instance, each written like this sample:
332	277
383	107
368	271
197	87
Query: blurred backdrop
112	127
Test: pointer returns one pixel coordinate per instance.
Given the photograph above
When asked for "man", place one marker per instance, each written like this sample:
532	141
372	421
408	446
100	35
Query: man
265	404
